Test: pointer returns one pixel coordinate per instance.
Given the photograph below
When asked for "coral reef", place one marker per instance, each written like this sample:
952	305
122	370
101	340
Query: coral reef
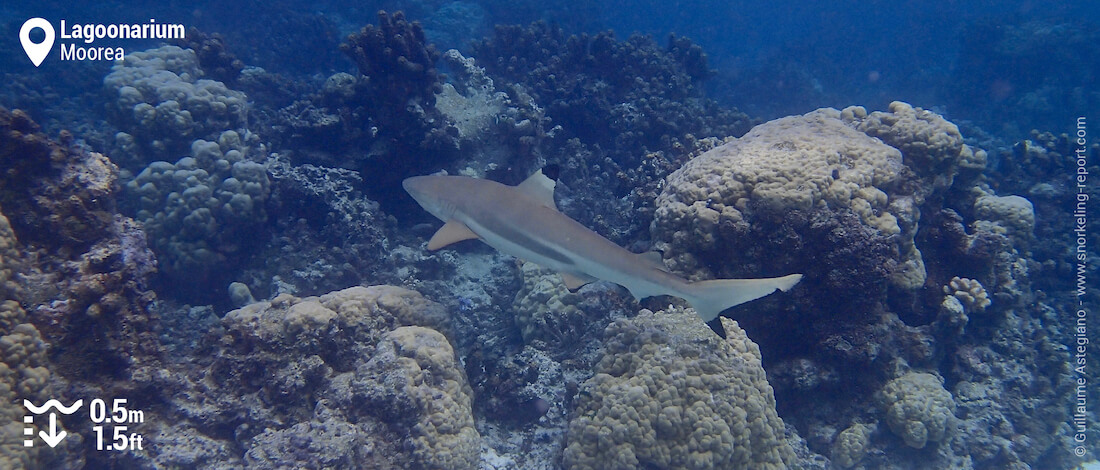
326	234
851	445
627	113
669	393
23	372
918	408
204	209
395	100
365	369
210	50
87	286
629	95
64	197
497	127
162	103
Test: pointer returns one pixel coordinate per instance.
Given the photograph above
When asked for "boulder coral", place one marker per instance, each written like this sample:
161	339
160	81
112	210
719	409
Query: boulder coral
1013	214
23	372
366	366
797	162
544	308
415	376
163	103
851	445
918	408
203	209
794	189
668	393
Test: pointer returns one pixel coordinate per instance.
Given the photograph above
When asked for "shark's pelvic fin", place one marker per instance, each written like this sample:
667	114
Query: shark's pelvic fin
451	232
575	281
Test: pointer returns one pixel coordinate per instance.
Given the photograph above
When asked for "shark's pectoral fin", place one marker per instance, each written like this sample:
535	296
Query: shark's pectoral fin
451	232
575	281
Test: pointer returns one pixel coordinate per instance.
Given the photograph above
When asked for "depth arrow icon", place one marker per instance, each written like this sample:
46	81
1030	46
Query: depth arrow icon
54	437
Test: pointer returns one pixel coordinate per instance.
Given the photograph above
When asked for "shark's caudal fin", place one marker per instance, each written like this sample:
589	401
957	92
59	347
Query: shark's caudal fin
710	298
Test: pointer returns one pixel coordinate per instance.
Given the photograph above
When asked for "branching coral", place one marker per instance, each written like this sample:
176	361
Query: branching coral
397	59
216	61
970	292
394	104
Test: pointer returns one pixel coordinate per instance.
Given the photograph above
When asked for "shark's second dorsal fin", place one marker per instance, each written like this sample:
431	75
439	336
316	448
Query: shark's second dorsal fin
452	232
540	187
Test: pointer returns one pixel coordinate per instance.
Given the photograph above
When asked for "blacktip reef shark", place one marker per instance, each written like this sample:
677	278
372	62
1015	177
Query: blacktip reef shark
523	221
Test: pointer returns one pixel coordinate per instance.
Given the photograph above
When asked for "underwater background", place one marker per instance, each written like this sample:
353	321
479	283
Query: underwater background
213	229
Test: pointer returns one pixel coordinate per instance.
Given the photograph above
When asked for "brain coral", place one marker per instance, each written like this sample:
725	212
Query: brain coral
918	408
668	393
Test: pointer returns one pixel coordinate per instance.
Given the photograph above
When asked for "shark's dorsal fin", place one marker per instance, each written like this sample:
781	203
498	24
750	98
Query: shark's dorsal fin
540	187
452	232
575	281
655	259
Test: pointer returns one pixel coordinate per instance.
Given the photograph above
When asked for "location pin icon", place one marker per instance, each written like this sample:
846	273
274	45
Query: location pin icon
36	52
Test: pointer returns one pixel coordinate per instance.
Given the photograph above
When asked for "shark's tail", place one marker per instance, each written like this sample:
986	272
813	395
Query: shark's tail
710	298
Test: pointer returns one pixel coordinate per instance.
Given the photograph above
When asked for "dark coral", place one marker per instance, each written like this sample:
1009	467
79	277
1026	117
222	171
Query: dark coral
394	101
214	58
626	114
628	96
397	59
691	56
86	280
61	195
